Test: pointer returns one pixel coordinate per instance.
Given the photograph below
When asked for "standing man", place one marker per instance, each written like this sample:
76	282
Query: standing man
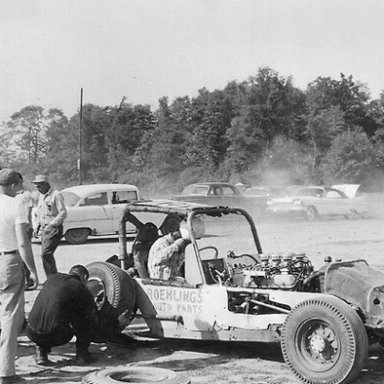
51	215
15	248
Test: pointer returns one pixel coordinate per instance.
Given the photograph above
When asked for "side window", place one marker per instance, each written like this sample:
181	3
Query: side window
333	194
123	197
227	191
97	199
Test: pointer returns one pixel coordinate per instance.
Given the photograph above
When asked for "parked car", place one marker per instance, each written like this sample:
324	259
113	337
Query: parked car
231	290
264	191
222	194
95	209
314	201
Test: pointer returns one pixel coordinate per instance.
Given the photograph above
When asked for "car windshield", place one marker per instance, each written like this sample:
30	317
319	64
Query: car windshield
230	235
70	198
195	190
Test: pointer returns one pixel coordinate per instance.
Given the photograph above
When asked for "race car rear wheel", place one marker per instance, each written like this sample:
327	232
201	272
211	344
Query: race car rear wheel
77	235
324	341
111	286
144	375
311	213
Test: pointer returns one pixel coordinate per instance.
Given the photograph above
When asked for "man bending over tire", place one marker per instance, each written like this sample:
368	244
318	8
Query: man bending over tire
65	308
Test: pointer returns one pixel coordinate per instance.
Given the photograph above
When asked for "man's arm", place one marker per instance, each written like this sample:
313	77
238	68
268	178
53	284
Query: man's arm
25	250
62	211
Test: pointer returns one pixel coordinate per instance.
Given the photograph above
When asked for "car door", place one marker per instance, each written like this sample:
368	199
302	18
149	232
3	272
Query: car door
92	212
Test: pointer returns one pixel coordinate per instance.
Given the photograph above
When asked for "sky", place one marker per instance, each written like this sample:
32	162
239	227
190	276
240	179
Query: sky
147	49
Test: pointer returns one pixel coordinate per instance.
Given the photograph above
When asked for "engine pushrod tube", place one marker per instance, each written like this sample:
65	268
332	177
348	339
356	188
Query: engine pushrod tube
269	306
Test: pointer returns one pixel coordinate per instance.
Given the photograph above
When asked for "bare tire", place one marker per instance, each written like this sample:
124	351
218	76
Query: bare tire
135	375
311	213
111	286
324	341
170	224
77	236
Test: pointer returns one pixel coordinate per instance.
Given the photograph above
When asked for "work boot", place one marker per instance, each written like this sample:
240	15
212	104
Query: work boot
41	356
84	357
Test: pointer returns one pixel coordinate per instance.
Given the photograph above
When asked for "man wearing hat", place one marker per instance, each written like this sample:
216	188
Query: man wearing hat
15	248
51	215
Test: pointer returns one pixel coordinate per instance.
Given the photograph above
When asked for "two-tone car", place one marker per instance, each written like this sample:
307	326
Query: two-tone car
96	209
312	202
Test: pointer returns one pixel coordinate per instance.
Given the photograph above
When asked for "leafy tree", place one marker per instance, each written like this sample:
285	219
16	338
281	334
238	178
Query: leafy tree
28	127
325	93
171	137
273	107
350	158
323	127
212	115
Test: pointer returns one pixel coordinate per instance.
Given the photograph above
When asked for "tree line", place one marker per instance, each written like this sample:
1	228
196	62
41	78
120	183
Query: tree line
260	131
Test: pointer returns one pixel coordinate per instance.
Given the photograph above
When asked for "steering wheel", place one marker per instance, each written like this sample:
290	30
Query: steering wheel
216	252
216	275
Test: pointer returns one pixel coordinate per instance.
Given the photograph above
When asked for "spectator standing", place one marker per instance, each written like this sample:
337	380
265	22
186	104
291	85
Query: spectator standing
51	215
15	248
24	196
63	308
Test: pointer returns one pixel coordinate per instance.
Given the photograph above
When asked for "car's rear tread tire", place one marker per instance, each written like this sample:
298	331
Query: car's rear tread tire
141	375
120	288
77	235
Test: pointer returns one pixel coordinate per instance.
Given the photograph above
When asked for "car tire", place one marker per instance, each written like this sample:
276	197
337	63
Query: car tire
352	214
171	224
311	213
324	341
111	286
135	375
77	236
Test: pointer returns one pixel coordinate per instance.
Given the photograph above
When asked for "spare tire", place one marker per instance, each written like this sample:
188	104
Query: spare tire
136	375
111	286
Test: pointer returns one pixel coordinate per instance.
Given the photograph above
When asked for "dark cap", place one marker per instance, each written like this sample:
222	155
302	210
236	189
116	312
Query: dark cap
9	176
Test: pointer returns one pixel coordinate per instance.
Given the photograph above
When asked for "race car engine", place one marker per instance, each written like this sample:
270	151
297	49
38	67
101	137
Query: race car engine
287	271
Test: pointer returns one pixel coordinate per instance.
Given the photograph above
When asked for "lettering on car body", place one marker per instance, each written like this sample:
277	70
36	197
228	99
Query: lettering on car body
175	300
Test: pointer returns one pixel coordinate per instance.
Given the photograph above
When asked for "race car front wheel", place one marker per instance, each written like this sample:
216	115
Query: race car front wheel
324	341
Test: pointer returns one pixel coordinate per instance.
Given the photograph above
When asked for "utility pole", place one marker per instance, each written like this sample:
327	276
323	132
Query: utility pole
80	137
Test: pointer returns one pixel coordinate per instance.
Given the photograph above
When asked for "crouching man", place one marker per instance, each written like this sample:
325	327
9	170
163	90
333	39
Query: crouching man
64	308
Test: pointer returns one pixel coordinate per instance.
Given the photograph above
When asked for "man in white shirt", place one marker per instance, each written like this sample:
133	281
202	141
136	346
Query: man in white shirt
51	215
15	248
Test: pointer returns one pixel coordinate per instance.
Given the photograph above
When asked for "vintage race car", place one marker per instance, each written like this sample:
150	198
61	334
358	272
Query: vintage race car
229	290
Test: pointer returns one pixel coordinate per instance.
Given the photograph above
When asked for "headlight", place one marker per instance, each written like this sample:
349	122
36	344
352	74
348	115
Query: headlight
270	202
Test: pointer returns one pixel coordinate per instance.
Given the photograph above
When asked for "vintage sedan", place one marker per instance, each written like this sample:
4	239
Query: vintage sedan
222	194
314	201
95	210
229	289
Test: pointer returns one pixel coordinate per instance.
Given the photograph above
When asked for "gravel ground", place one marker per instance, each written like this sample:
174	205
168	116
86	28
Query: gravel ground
215	362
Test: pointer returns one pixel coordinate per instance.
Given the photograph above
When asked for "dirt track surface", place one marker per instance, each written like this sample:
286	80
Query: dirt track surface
215	362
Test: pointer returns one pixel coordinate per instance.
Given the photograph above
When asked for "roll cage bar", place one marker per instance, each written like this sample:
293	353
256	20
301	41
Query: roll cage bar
184	211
